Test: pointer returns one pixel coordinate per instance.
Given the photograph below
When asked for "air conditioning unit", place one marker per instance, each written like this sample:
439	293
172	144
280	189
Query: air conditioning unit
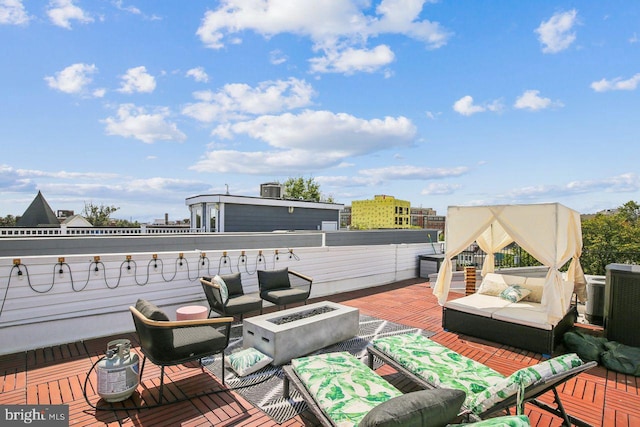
271	190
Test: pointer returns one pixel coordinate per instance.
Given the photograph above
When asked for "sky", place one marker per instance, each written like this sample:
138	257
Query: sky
139	104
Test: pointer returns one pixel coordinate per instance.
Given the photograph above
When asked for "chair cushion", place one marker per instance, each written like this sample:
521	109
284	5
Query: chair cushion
522	379
344	387
150	310
274	279
438	365
195	342
426	407
247	361
243	304
285	296
234	283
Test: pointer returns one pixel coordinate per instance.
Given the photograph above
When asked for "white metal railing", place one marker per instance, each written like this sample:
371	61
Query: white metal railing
65	230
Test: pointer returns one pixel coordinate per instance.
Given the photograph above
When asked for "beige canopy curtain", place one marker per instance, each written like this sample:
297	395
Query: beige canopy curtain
550	232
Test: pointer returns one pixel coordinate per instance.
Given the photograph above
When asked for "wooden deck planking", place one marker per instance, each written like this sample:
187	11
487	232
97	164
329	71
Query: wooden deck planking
57	374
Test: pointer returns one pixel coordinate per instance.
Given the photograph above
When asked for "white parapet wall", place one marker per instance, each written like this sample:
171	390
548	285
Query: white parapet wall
49	300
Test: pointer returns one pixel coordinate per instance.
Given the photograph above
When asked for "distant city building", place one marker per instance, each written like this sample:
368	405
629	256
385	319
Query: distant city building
228	213
38	214
381	212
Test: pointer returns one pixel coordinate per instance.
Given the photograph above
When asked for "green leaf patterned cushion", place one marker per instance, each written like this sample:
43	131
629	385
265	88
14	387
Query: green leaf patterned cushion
505	421
521	379
247	361
344	387
514	293
438	365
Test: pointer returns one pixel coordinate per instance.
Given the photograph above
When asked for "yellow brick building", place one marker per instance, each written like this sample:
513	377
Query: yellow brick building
381	212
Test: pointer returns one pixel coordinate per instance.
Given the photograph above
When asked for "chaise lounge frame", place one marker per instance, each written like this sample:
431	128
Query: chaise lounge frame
531	393
290	376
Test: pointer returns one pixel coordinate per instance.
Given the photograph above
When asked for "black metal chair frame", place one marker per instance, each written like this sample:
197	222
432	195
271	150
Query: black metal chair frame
302	298
145	328
214	298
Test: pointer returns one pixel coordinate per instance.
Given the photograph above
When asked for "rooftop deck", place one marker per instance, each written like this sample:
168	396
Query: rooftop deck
55	375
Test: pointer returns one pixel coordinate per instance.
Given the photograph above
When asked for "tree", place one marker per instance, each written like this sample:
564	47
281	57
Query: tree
305	189
98	215
8	221
613	238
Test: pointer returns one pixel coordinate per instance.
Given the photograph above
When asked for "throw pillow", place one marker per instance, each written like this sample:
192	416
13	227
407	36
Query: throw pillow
514	293
436	407
247	361
224	292
150	310
489	287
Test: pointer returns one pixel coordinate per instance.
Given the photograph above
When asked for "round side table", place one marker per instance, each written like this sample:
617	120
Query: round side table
192	312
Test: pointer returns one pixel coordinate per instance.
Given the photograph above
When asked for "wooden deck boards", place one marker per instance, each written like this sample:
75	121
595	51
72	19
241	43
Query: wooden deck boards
57	374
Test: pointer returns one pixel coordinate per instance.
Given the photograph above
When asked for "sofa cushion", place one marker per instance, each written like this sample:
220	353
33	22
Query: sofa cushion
522	379
492	288
150	310
514	293
524	314
434	408
342	386
274	279
478	304
536	286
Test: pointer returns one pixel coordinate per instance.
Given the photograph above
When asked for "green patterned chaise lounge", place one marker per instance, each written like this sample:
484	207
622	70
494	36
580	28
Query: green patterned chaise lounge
432	365
342	391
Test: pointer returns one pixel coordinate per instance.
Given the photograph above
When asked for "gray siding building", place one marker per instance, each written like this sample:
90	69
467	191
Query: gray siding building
226	213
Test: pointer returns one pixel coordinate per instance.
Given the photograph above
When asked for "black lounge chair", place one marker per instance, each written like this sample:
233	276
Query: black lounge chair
276	286
168	343
237	303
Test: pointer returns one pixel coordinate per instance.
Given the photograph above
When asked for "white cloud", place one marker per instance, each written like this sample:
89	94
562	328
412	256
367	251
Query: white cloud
137	80
623	183
62	12
73	79
12	12
338	28
616	84
556	34
311	140
440	189
277	57
414	172
466	107
198	74
531	100
236	100
352	60
135	122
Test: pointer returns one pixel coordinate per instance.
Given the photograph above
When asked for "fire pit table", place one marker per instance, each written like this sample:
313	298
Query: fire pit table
287	334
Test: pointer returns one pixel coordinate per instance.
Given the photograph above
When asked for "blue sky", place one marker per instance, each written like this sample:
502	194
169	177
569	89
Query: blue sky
140	104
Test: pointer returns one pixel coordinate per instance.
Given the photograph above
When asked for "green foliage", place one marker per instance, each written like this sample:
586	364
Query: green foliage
8	221
303	189
98	215
613	238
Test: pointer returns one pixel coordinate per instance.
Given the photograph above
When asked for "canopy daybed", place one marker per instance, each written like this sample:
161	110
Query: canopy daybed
552	234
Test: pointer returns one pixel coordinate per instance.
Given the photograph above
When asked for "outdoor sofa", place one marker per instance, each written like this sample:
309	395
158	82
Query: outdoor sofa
523	324
342	391
432	365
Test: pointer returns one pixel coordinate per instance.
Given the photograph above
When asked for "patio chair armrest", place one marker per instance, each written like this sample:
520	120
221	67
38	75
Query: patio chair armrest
219	321
302	276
